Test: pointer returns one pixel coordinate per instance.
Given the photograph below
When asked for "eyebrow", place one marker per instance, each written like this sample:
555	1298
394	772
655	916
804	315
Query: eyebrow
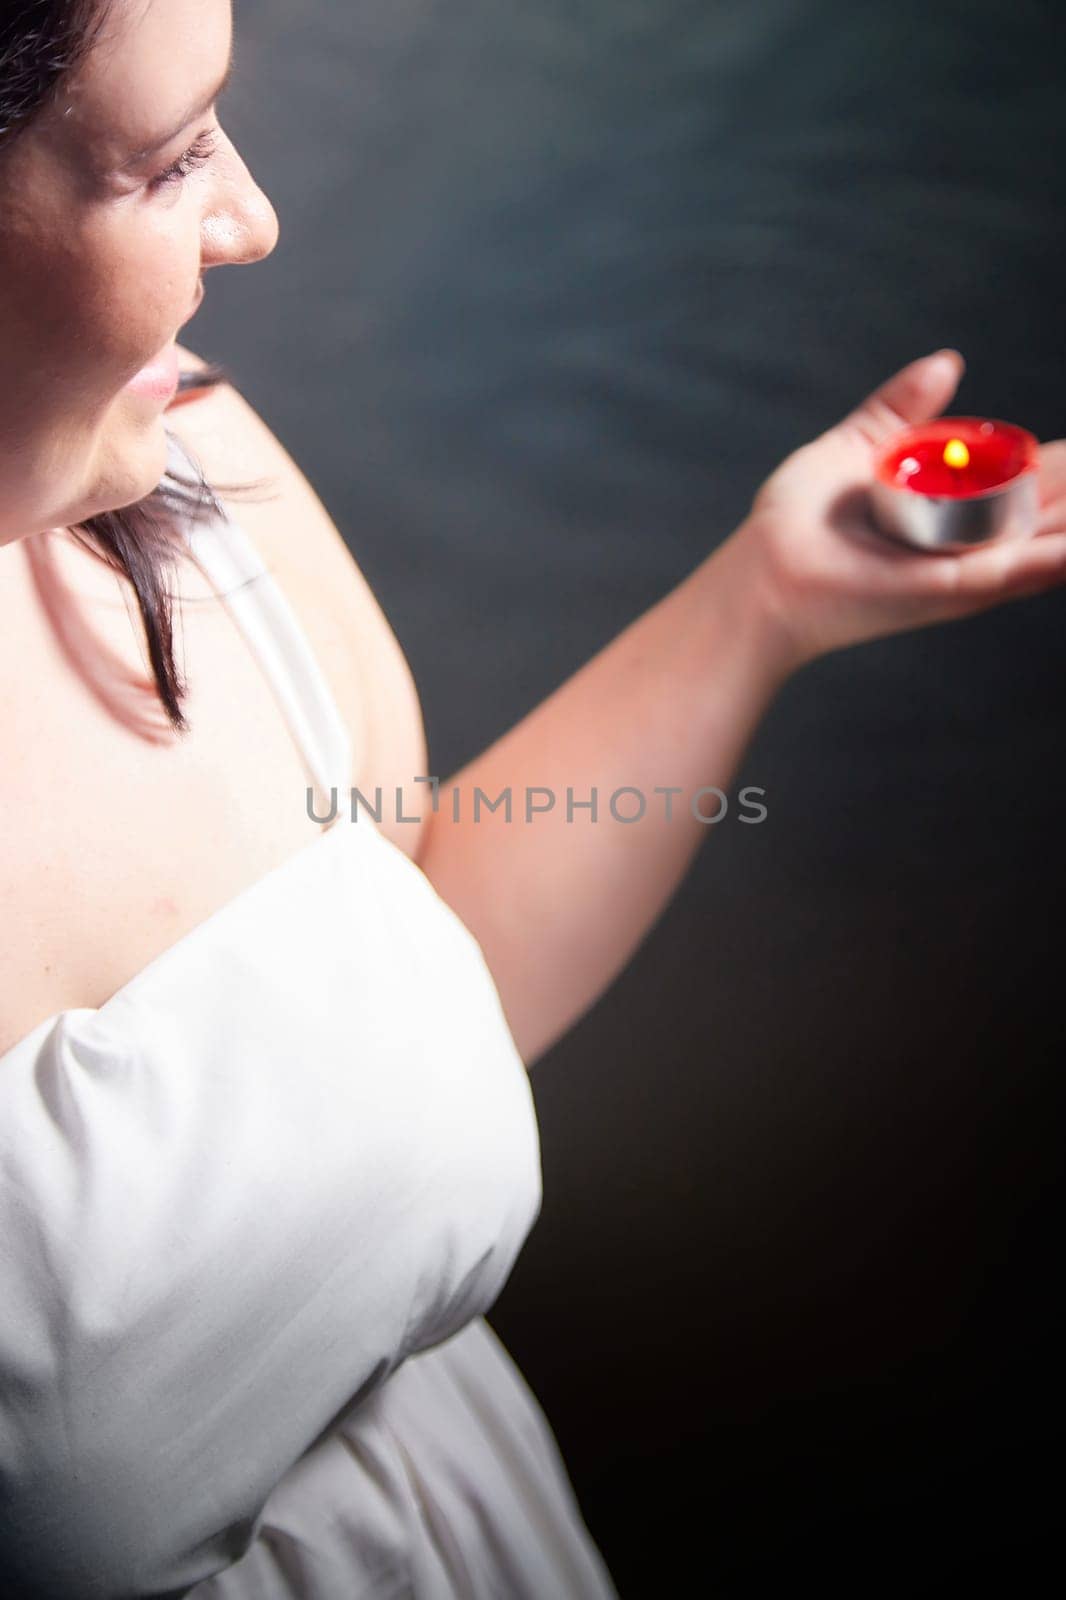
190	116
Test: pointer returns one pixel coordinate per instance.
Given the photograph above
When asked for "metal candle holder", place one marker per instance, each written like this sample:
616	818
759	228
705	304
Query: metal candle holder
918	497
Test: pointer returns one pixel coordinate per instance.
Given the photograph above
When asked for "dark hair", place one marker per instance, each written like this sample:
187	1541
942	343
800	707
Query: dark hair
41	43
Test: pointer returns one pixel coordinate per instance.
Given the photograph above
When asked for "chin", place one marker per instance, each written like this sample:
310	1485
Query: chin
132	462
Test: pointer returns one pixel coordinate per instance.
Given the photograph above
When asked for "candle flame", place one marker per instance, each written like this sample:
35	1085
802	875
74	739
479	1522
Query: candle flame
956	454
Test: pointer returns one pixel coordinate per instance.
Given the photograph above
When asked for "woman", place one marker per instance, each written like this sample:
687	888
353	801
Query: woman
267	1148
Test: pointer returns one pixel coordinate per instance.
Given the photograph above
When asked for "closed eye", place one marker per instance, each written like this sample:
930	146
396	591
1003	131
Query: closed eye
198	154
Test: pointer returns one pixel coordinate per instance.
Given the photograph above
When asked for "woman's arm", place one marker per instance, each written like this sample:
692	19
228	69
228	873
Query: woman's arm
560	904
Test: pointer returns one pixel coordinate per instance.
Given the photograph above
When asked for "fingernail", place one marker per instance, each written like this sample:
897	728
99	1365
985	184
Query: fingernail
948	350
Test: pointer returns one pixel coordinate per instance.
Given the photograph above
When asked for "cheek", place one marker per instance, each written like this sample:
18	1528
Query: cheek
82	312
90	288
137	284
86	298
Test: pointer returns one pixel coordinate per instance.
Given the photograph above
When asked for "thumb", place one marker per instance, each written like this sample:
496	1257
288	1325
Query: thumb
916	393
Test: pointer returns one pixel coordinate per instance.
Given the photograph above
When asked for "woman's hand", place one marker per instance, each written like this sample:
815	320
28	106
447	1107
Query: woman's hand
831	580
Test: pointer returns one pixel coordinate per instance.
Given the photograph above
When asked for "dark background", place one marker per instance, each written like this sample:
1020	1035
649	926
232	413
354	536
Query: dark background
557	285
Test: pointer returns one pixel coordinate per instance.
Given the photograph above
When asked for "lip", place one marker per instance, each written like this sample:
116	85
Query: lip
158	378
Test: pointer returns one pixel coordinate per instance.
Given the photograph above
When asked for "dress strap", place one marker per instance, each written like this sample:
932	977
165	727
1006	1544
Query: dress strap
275	636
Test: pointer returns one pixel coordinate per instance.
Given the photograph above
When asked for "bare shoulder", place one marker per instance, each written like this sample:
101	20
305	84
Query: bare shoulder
303	548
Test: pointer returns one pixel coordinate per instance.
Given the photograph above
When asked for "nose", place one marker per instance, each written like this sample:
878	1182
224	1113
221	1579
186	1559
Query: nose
240	225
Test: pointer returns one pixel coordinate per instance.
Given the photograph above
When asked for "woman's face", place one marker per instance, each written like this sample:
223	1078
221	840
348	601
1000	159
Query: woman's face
102	244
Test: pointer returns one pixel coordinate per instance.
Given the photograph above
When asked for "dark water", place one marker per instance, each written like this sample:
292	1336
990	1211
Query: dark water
557	285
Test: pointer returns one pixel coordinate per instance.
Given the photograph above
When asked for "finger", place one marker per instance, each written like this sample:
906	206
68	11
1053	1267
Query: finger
916	393
1052	517
1051	471
1000	571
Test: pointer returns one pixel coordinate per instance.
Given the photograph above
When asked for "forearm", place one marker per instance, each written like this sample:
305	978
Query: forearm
558	902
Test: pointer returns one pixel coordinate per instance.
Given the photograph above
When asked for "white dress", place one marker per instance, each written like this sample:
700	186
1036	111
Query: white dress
252	1211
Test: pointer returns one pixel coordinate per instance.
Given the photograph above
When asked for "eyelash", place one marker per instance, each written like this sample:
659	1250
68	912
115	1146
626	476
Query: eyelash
198	154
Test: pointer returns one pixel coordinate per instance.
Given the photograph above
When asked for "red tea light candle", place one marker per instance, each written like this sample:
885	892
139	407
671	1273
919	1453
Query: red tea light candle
957	482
